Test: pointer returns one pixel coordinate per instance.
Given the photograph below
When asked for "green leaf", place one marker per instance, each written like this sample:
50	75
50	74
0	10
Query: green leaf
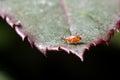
45	22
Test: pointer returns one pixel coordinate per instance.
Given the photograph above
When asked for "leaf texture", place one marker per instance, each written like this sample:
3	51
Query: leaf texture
45	22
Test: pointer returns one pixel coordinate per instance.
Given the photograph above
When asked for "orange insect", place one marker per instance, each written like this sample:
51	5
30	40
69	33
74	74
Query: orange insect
73	39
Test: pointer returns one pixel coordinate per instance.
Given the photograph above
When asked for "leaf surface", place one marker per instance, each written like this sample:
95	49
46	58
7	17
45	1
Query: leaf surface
45	22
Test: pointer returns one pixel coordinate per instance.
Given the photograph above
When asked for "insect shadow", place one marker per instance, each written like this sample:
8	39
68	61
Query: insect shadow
79	43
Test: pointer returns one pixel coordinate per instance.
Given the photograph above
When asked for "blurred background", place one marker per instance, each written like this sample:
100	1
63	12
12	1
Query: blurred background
18	61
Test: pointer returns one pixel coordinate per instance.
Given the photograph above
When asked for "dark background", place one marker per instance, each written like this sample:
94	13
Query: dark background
18	61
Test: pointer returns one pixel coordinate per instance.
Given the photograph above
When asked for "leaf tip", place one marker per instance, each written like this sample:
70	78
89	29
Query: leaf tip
80	55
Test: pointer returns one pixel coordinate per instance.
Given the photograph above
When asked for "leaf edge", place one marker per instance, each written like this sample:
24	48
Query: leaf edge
17	26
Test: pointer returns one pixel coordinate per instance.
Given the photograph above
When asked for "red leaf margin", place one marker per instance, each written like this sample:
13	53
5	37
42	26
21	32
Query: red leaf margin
17	26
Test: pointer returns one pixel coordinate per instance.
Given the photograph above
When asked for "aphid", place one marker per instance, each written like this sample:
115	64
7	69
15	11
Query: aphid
73	39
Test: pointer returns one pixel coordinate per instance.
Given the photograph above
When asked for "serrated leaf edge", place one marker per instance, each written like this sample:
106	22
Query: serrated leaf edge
17	26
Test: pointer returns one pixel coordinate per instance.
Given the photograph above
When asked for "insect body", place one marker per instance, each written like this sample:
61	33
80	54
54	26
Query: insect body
73	39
